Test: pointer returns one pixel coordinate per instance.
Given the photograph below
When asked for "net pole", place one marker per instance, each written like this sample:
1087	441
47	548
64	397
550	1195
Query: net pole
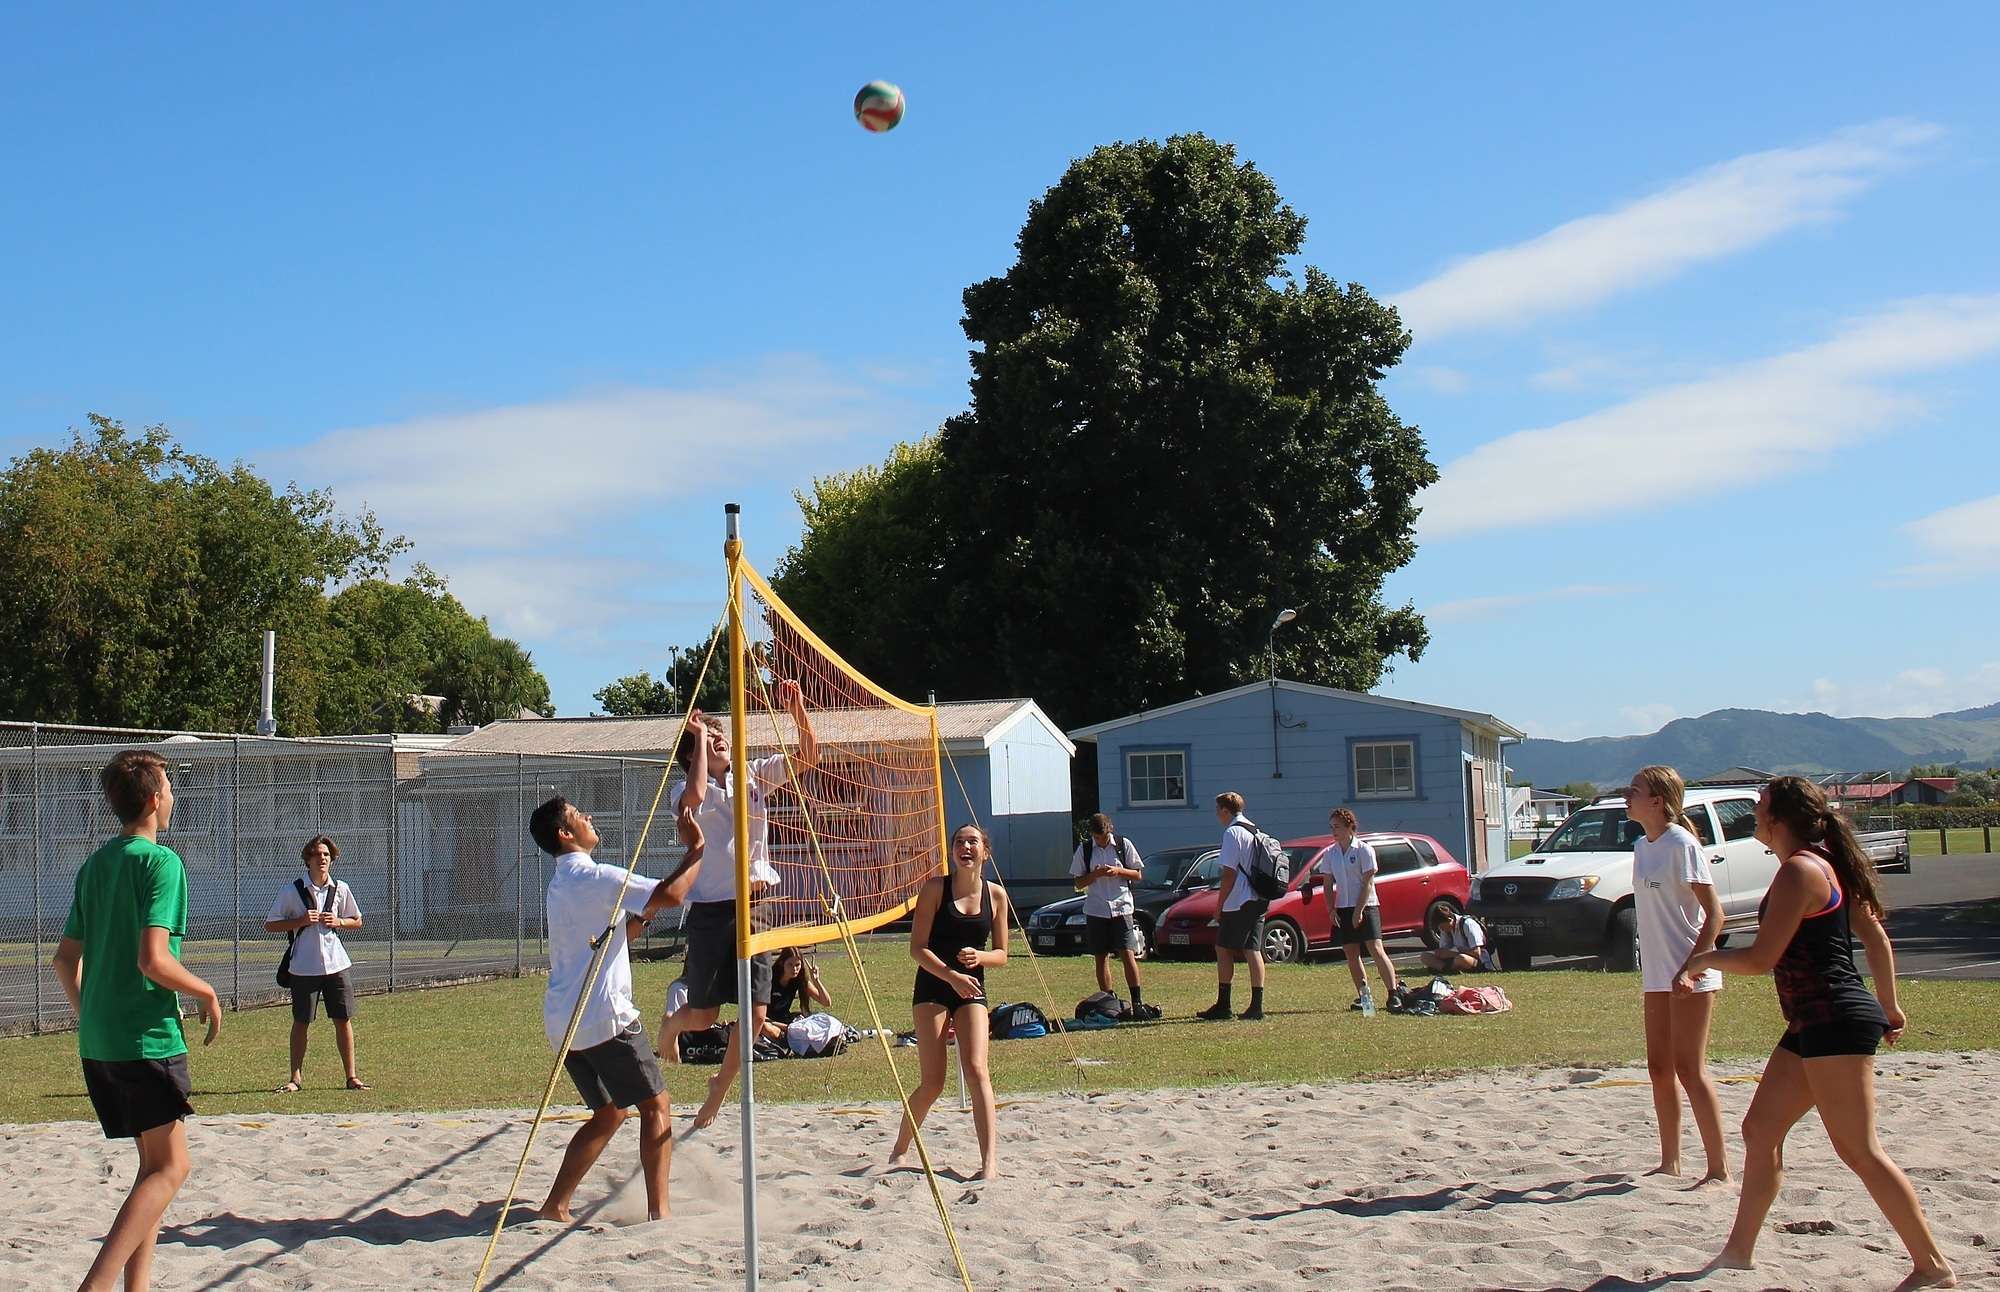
739	771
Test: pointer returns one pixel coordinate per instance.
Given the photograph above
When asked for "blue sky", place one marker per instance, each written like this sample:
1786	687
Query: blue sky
1707	303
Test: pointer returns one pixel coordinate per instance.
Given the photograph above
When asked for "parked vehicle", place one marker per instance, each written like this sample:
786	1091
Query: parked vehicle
1169	875
1417	880
1573	894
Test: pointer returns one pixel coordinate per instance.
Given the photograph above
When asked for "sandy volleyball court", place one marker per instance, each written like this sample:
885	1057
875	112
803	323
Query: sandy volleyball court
1497	1180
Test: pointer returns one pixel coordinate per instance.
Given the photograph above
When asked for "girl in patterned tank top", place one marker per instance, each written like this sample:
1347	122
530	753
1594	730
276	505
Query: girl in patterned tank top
1825	886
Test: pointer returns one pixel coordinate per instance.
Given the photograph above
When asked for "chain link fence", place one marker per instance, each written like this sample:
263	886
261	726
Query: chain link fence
434	844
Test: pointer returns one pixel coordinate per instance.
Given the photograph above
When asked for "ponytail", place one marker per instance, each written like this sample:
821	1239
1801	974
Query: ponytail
1801	807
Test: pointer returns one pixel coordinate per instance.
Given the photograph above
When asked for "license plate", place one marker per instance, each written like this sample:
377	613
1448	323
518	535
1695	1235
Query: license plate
1045	940
1506	930
1178	939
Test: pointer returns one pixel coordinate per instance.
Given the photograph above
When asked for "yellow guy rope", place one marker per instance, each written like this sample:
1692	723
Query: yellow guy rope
1027	943
836	909
601	948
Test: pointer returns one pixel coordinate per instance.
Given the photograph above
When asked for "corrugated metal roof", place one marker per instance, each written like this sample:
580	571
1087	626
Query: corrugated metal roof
962	721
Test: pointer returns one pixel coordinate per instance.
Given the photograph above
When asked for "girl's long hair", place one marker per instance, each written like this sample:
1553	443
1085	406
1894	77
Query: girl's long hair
1801	807
1667	785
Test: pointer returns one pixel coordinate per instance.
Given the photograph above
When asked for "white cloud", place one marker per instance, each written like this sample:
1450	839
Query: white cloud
1764	419
1962	541
548	517
1644	719
1912	692
1713	213
1443	380
1470	609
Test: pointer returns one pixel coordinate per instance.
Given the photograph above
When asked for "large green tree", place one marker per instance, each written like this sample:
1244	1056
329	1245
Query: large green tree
636	695
141	576
1171	436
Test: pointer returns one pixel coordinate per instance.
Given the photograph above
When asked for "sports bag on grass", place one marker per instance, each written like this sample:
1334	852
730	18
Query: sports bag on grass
1017	1022
1476	1000
292	938
1270	871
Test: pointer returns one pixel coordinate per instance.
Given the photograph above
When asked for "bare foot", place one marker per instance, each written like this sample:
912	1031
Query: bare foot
711	1107
1666	1168
989	1170
1941	1277
1712	1178
549	1211
898	1161
1728	1260
664	1213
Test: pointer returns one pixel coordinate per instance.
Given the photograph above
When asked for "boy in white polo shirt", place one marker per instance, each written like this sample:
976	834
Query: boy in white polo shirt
1349	867
611	1057
1104	870
314	910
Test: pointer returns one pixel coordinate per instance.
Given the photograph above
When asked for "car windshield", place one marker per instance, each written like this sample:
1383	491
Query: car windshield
1164	869
1597	829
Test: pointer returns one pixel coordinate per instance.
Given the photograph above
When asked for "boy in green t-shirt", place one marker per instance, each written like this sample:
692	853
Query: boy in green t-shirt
119	964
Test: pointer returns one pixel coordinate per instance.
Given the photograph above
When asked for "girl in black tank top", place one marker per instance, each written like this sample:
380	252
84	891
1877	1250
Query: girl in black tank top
1821	899
956	917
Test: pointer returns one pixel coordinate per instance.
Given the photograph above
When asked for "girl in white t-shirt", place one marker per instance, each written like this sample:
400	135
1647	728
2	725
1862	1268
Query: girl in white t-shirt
1680	916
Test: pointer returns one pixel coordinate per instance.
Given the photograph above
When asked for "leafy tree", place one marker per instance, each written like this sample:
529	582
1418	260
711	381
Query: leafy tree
1171	436
636	694
1581	791
1975	789
141	576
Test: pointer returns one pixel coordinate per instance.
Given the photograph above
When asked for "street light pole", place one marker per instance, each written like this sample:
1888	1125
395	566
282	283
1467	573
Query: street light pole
1271	666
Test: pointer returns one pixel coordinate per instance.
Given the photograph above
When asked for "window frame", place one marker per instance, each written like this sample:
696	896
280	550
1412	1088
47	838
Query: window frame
1722	826
1354	746
1128	782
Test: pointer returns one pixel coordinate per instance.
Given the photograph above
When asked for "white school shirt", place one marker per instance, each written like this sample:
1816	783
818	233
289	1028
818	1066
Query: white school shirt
317	950
1465	936
717	818
1345	868
1663	872
1238	848
1109	897
580	896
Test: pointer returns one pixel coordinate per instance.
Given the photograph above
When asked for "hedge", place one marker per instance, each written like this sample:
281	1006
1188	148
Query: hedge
1912	816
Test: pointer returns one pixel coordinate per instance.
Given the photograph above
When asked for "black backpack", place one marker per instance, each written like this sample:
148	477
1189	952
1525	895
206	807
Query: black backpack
1017	1022
292	938
1083	850
1270	872
1103	1004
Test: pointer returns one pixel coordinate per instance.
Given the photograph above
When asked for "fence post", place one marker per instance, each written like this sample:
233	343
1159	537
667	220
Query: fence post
236	873
521	861
395	880
1944	842
35	856
1989	838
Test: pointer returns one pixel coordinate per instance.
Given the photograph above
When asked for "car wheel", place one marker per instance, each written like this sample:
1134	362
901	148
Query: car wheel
1621	947
1433	930
1283	943
1515	954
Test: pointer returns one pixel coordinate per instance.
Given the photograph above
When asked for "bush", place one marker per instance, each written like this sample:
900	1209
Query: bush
1919	817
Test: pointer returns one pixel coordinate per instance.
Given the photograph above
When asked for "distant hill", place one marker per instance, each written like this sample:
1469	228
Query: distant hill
1778	742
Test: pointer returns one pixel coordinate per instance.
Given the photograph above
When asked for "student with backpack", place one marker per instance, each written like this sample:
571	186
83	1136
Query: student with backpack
1349	866
1104	870
1461	946
1239	934
311	911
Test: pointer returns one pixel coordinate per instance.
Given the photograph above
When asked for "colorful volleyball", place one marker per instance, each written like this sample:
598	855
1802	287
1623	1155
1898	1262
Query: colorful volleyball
879	106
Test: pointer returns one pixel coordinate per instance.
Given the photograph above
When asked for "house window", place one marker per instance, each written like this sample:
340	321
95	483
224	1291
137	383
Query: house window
1385	769
1156	778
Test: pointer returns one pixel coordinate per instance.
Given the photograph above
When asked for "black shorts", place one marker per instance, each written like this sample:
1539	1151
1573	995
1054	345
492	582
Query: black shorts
133	1096
1825	1040
711	959
1243	928
1108	935
620	1073
1348	930
309	989
933	990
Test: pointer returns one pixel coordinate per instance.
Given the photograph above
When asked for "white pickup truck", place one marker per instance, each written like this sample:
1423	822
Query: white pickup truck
1573	894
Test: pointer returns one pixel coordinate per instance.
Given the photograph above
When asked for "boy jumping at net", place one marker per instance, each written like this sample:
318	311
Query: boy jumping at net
711	918
119	964
610	1057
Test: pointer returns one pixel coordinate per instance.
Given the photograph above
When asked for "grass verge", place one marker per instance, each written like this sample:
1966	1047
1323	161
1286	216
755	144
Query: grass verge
481	1045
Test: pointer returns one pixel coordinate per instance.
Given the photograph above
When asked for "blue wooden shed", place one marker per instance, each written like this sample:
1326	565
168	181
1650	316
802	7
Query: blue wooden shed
1295	752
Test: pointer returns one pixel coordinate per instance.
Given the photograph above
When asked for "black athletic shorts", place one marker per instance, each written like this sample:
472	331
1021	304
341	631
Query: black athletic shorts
620	1073
1825	1040
1108	935
1349	931
711	959
933	990
133	1096
1243	928
309	989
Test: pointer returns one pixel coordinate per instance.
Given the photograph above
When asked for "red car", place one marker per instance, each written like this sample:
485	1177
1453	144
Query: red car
1416	879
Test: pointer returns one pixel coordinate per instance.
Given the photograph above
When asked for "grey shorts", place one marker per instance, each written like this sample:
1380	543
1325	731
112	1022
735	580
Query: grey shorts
1352	929
333	988
1243	928
621	1073
711	959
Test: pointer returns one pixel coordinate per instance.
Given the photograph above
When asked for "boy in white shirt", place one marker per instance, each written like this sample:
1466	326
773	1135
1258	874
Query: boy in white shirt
611	1058
314	910
1462	948
1239	921
1104	870
1349	867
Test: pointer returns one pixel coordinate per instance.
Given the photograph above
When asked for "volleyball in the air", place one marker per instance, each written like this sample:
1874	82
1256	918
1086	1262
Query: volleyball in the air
879	106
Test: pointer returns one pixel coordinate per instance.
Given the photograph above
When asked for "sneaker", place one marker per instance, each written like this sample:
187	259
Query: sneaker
1252	1015
1216	1013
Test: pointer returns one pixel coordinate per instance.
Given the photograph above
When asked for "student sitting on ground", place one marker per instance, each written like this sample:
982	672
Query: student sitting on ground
795	992
1461	947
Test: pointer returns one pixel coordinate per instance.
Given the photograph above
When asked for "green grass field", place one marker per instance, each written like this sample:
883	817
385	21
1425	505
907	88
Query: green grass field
481	1045
1926	843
